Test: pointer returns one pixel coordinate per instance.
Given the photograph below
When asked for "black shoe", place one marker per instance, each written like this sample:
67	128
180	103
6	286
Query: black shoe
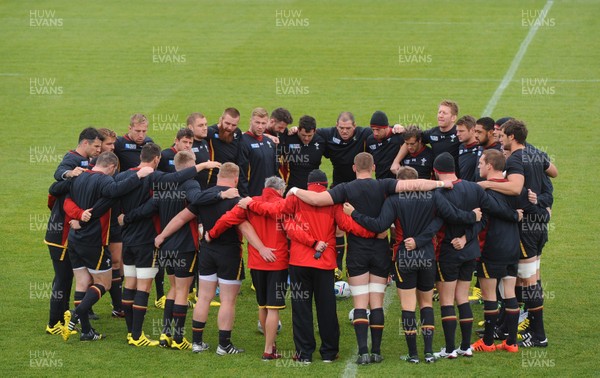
410	359
118	314
91	336
92	315
363	359
376	358
533	342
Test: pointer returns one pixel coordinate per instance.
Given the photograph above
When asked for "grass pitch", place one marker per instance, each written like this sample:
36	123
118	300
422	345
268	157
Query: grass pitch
65	66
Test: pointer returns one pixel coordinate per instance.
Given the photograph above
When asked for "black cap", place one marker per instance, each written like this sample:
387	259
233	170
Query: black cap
379	119
317	176
444	163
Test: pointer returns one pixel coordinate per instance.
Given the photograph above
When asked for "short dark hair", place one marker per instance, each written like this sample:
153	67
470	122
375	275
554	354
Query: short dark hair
466	120
517	129
107	158
487	123
413	131
193	117
452	105
346	116
307	123
232	112
363	161
185	133
90	134
407	173
149	152
282	115
495	158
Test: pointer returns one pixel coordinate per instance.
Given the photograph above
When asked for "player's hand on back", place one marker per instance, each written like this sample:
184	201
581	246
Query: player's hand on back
532	197
208	165
448	184
348	209
398	129
145	171
75	225
459	243
267	254
477	212
244	202
87	215
293	130
230	193
410	244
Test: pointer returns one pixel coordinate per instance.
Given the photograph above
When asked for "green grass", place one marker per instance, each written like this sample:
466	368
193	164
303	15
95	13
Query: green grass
348	57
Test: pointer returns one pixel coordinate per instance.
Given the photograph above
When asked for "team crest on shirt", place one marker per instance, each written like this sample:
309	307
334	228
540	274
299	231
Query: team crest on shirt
434	138
452	137
316	146
423	161
130	146
269	144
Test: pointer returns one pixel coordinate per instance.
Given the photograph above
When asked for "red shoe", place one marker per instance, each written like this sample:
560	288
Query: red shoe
270	356
509	348
479	346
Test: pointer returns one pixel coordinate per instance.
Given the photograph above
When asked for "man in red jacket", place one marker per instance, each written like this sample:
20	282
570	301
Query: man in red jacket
268	268
312	264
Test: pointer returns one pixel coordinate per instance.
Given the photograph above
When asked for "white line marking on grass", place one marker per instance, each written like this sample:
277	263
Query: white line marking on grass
517	60
9	74
350	369
417	79
460	80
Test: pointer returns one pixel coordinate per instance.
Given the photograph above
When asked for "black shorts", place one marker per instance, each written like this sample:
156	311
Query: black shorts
413	273
532	244
58	253
497	271
95	259
227	265
271	287
452	271
140	256
115	235
377	262
180	264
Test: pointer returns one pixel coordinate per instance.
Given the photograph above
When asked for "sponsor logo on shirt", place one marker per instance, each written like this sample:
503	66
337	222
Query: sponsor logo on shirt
373	146
254	145
172	162
130	146
195	149
85	163
336	140
434	138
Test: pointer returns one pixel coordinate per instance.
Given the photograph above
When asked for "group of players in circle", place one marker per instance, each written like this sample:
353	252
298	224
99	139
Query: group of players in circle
466	196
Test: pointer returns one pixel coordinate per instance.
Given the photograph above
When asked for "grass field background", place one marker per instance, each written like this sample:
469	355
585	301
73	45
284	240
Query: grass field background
64	66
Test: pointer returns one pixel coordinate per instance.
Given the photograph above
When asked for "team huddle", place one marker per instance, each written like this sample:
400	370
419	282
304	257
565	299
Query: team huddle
470	196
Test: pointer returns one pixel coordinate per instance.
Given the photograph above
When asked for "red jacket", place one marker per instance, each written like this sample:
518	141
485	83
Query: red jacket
305	225
268	229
